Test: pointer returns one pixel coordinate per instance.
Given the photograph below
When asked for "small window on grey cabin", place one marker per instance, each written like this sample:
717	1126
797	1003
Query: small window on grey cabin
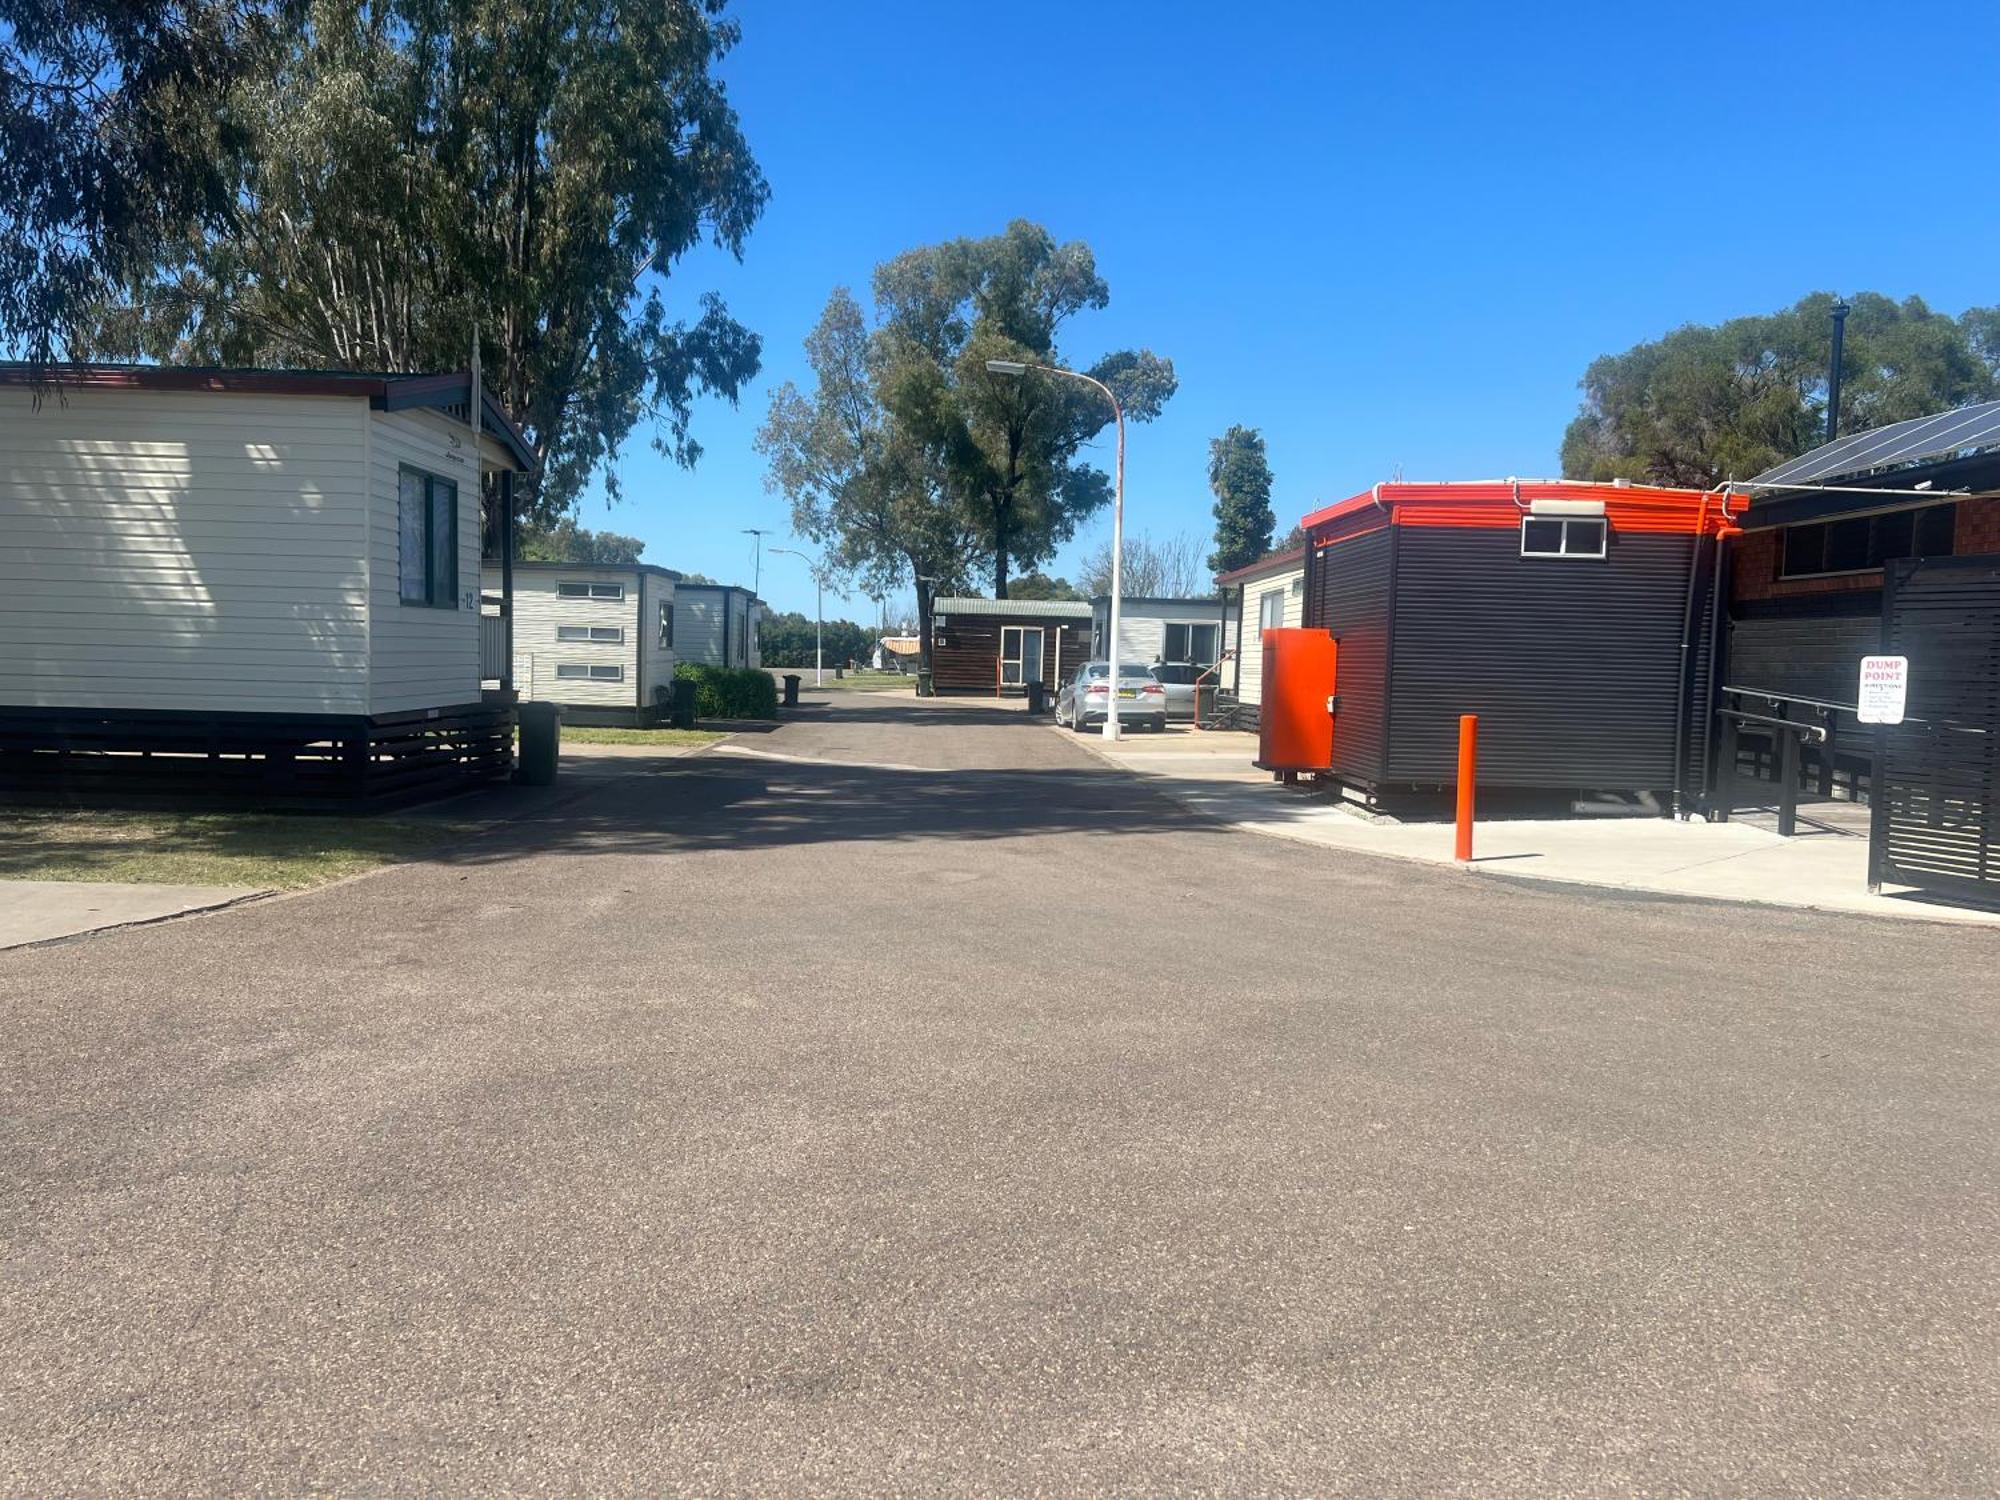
590	590
666	625
575	669
1563	536
606	635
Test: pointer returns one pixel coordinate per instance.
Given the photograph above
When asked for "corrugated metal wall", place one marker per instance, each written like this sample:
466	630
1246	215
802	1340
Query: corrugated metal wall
1571	664
1349	595
1814	655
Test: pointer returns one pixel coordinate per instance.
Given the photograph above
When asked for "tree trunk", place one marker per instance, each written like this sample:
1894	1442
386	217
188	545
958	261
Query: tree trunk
1000	553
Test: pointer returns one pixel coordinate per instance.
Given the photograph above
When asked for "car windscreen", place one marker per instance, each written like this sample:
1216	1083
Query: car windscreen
1128	671
1176	673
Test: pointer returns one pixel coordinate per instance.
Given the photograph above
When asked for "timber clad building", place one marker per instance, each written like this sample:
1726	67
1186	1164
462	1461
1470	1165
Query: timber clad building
995	647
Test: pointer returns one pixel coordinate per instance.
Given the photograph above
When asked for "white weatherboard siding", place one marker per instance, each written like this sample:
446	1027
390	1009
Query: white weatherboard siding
1289	587
698	628
185	550
1142	627
656	592
539	609
421	657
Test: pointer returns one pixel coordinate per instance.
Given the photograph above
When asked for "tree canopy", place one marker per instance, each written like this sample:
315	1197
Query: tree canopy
415	170
1170	568
1705	404
1008	449
568	542
1038	585
113	141
1240	476
790	639
860	485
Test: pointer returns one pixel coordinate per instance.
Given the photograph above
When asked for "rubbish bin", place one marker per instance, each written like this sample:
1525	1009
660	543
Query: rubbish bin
680	709
1037	697
838	673
791	690
541	744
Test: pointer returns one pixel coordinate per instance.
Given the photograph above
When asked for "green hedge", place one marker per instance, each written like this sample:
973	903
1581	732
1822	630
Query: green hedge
730	692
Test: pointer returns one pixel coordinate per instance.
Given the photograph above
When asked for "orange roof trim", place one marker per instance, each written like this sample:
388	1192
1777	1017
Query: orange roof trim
1501	503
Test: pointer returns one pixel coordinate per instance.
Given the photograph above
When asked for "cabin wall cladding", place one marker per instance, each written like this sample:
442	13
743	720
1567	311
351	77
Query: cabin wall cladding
1572	665
1349	595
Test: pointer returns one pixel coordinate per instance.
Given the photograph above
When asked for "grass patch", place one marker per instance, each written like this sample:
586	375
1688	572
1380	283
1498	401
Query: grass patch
269	850
861	682
606	734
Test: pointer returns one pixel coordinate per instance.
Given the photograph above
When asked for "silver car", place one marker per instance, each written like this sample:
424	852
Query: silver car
1179	679
1083	700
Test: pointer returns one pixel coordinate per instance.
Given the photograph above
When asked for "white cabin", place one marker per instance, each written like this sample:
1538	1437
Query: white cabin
598	638
232	547
1165	630
1271	594
718	624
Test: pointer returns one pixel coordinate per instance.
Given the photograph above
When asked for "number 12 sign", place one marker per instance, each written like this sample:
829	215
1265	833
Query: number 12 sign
1885	686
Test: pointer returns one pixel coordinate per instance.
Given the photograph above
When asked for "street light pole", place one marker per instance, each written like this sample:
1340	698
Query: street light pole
757	575
1018	368
819	613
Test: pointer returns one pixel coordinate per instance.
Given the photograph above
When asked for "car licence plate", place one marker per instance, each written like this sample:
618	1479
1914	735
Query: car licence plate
1128	692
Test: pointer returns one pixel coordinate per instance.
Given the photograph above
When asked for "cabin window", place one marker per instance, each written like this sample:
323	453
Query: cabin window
1563	536
1193	643
1271	612
427	524
590	590
590	671
608	635
1856	544
666	626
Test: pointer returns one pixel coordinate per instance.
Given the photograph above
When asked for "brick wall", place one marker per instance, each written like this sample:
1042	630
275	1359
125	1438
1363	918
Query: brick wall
1757	553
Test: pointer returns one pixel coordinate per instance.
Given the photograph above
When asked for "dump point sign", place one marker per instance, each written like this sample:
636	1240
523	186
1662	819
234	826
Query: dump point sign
1885	684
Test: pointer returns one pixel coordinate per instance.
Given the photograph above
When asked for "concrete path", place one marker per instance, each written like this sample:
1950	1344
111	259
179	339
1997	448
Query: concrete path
1824	868
749	1125
36	911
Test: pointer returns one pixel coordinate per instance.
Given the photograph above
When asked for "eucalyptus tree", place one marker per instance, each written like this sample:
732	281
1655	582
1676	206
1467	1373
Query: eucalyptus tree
860	485
113	140
1010	450
421	170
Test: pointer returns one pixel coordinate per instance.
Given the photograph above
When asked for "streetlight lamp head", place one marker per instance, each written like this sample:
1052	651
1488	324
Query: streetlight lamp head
1006	367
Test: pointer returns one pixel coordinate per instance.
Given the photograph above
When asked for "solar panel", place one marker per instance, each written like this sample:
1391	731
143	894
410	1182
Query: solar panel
1920	438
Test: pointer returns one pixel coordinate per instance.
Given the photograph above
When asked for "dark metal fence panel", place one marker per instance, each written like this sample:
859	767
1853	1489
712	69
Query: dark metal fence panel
1936	813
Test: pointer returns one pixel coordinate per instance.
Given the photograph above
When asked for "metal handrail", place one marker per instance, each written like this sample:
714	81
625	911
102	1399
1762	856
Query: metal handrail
1775	697
1797	726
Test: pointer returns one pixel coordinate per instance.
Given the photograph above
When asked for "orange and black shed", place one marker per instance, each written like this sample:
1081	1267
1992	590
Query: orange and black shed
1577	620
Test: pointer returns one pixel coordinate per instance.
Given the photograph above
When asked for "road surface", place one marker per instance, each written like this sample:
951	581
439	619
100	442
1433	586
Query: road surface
808	1120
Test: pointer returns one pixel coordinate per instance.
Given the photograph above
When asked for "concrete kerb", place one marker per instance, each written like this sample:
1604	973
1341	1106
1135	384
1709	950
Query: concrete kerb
1730	863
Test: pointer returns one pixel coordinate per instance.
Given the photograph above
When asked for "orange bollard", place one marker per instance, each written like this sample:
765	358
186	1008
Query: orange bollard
1468	778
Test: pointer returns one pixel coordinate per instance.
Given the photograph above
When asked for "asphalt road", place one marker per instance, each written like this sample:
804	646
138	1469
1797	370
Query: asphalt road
745	1124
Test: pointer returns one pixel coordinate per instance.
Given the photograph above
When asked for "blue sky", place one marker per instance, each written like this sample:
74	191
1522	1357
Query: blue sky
1381	234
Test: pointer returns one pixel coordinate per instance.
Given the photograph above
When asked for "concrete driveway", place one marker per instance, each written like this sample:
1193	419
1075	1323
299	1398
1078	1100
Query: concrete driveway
758	1124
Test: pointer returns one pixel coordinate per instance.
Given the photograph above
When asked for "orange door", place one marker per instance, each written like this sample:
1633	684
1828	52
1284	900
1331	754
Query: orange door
1295	722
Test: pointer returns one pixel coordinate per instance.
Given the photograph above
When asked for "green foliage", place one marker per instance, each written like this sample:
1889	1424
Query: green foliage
568	542
787	640
532	171
859	484
1038	585
1240	476
1705	404
730	692
113	143
1007	448
700	578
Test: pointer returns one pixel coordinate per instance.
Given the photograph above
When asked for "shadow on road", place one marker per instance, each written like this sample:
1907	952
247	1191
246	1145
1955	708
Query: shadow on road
714	802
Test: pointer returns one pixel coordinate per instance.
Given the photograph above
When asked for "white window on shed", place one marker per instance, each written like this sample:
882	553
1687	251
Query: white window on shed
1271	611
1199	644
590	590
609	635
1563	536
590	671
